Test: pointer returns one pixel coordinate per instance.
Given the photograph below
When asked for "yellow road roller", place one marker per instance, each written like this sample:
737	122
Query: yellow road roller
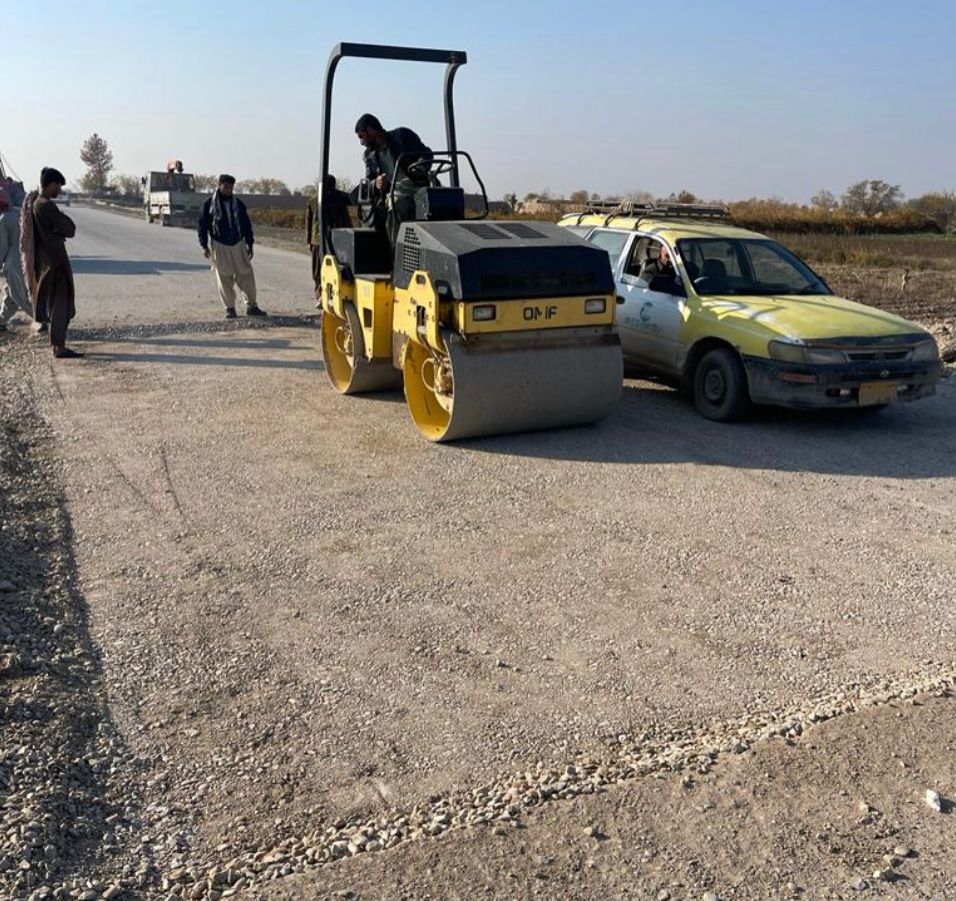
491	326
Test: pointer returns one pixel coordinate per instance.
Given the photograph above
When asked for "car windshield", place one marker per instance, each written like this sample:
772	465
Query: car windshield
746	266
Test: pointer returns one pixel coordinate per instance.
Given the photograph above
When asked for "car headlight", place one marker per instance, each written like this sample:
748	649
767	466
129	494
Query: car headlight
926	352
786	351
789	352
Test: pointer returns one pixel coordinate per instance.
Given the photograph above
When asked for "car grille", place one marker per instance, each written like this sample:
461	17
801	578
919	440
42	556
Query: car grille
877	355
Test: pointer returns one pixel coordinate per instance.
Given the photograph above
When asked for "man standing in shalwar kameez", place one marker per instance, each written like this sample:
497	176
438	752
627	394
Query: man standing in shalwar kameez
46	266
225	235
14	294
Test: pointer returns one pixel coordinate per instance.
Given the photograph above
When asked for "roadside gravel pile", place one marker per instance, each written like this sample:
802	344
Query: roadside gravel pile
68	792
500	806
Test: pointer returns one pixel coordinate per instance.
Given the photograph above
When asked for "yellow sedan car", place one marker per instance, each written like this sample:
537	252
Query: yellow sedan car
739	319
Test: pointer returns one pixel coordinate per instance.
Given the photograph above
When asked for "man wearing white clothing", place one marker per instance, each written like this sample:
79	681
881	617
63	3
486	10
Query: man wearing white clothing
14	288
225	235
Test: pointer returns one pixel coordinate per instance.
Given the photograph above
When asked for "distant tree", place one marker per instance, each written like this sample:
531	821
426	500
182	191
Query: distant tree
272	186
512	200
940	206
637	196
872	196
345	183
824	200
530	196
95	153
686	196
578	198
308	190
128	185
248	186
206	183
595	196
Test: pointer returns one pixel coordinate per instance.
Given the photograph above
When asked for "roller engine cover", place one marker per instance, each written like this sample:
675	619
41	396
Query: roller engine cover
481	260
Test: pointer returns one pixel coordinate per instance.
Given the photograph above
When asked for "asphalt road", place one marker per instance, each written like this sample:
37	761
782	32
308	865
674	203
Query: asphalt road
131	273
305	613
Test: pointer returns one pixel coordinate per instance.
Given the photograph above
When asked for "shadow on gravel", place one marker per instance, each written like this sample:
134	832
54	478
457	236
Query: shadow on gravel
219	336
137	333
60	744
656	425
103	266
195	360
244	343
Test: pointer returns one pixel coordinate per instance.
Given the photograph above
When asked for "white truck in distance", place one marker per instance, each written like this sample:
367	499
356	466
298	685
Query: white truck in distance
170	197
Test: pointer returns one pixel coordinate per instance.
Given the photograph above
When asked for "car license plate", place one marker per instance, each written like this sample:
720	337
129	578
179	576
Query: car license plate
872	393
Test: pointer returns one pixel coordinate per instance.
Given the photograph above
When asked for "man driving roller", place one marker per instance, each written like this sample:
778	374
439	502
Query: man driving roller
386	166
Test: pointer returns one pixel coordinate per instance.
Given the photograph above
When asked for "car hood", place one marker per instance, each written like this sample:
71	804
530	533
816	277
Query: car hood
808	317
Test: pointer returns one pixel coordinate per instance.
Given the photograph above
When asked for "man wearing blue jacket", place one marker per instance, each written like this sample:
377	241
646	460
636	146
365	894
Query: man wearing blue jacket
225	235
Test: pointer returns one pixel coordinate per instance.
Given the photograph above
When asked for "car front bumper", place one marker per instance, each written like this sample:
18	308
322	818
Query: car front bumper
814	387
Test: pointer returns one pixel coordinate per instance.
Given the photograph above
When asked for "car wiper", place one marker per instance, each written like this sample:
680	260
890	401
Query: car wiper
780	290
756	291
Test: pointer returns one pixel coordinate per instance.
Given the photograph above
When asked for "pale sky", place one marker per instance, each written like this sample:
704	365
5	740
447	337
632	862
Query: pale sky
729	100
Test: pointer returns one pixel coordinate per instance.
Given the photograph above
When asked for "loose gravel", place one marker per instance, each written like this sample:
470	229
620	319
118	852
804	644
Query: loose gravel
83	816
71	796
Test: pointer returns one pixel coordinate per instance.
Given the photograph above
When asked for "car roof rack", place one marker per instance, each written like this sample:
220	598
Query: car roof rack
614	209
623	207
691	210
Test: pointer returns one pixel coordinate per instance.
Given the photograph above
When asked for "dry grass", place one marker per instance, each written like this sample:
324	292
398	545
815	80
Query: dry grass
913	252
910	275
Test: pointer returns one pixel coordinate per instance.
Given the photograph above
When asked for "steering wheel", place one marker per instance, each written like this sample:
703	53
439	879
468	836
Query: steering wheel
425	169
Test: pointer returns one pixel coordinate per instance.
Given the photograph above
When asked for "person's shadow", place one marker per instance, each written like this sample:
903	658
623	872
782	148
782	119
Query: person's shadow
94	265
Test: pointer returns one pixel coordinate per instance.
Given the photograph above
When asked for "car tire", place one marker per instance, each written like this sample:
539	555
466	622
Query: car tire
720	386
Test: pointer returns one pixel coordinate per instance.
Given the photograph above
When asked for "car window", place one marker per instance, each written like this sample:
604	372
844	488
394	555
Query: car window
637	256
645	250
746	266
579	230
612	241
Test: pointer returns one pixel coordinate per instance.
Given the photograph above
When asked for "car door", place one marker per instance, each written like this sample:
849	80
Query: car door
649	322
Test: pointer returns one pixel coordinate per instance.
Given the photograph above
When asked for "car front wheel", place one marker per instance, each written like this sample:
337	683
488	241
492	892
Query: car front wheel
720	386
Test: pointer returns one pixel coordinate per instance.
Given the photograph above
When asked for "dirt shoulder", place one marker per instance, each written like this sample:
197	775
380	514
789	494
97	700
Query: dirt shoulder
295	628
70	788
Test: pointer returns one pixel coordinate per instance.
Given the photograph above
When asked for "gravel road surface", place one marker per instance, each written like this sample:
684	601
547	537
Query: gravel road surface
250	628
